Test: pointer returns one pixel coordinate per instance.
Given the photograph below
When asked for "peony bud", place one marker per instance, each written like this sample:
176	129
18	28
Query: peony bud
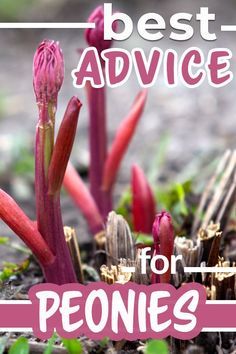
48	71
143	205
95	36
163	236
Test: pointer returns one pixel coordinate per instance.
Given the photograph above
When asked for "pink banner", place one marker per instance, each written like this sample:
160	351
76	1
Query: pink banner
118	311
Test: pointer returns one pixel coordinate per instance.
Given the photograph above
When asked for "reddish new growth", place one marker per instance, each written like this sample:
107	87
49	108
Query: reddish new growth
143	205
48	71
47	239
104	161
163	237
95	36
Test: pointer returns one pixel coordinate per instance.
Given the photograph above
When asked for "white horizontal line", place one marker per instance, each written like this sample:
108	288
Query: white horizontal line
228	28
221	302
16	329
128	269
219	329
15	302
210	269
28	25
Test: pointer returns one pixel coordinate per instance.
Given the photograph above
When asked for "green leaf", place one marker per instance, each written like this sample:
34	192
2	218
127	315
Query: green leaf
73	346
125	199
181	196
144	239
104	342
156	347
50	344
24	164
124	205
159	158
3	343
173	198
13	269
3	240
21	346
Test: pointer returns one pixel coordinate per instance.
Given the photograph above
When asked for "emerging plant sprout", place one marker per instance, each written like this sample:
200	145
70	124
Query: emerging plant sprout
163	237
104	164
143	205
46	238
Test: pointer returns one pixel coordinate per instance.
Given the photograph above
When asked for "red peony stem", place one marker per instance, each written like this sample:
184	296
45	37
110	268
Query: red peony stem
122	140
97	114
98	145
16	219
143	202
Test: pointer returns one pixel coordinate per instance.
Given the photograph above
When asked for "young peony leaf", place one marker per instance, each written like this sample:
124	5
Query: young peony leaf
73	346
143	239
124	205
21	346
82	197
63	146
122	140
157	347
104	342
50	344
10	269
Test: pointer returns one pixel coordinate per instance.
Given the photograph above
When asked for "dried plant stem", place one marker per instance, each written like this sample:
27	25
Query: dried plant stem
229	200
223	284
208	191
218	197
220	191
119	240
73	246
214	251
209	244
138	277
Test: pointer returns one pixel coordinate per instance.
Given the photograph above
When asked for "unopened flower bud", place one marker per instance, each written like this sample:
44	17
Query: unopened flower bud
95	36
143	202
163	236
48	71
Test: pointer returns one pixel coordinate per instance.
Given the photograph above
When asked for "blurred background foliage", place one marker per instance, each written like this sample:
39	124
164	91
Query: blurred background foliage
11	10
